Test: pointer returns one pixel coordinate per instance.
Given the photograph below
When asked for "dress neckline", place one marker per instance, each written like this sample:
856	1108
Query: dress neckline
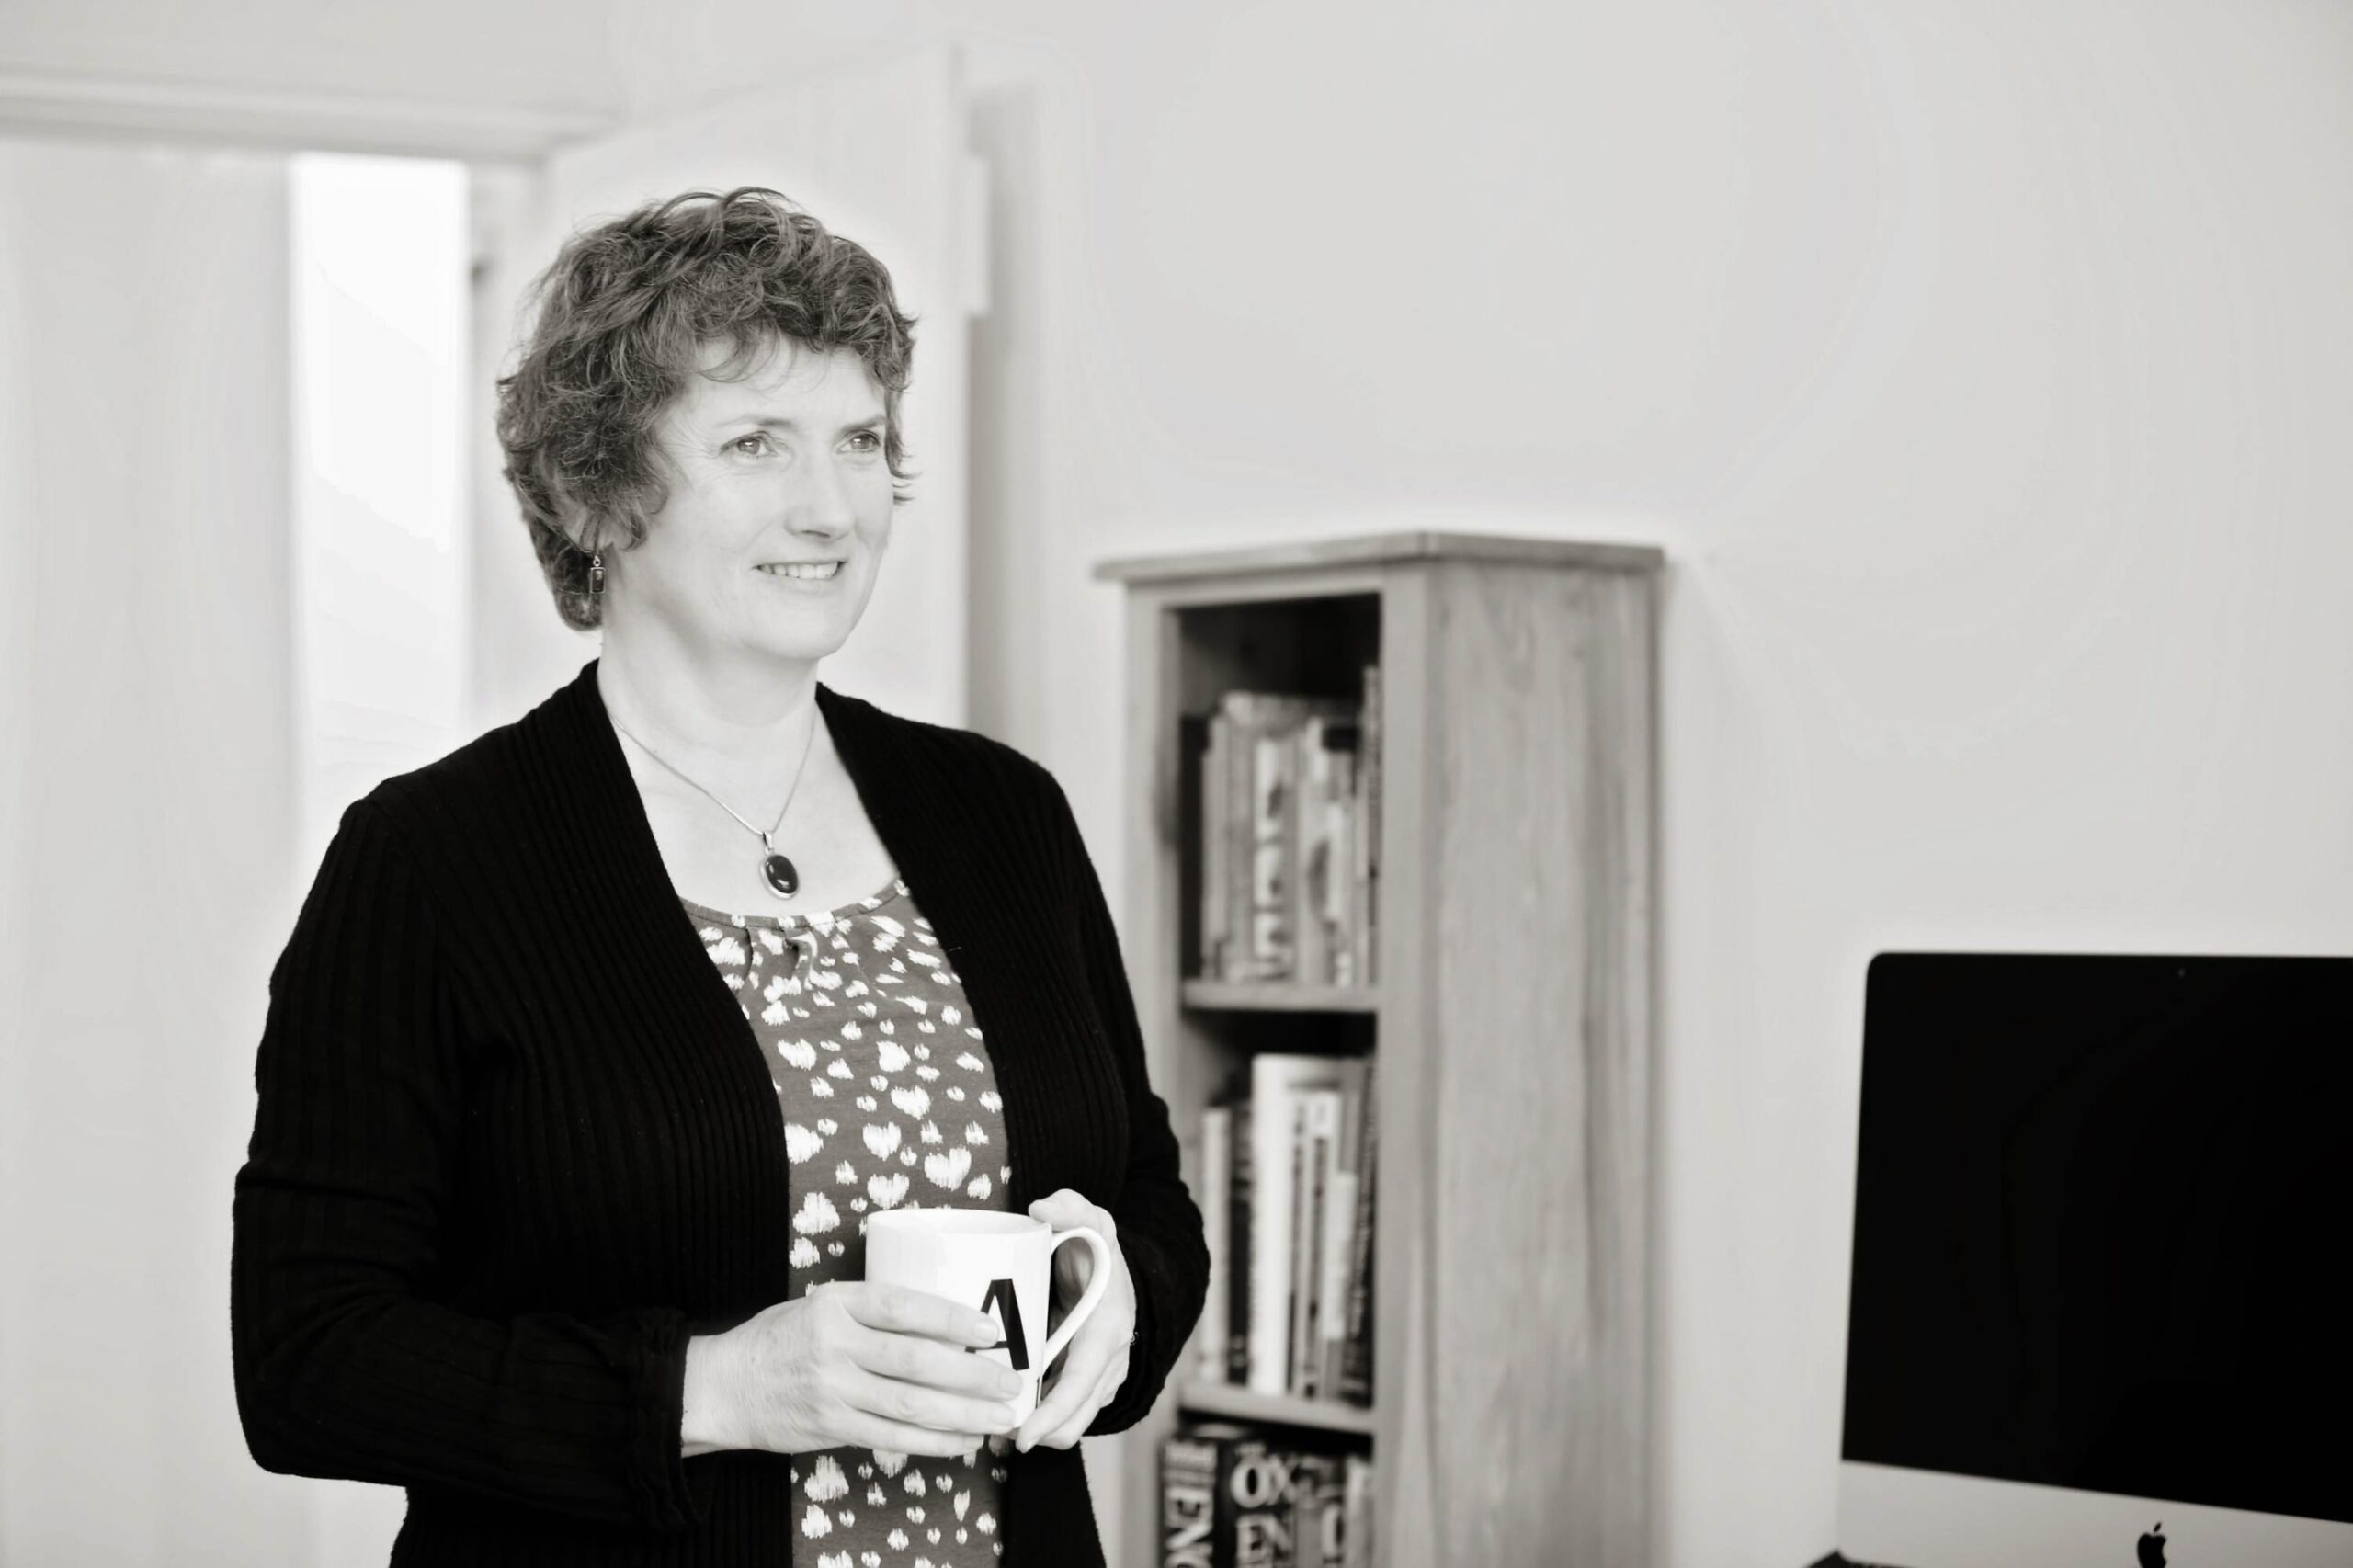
795	920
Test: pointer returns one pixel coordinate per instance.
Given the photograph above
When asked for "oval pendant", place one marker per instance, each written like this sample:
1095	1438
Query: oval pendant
783	880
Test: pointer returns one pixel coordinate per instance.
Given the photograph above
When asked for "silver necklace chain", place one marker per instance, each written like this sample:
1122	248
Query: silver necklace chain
806	747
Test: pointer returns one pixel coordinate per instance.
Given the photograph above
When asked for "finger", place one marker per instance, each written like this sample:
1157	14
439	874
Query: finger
899	1437
1074	1267
1070	1207
1068	1434
915	1358
918	1404
1083	1361
902	1310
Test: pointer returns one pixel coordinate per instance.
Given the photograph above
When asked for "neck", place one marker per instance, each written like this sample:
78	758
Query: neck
743	724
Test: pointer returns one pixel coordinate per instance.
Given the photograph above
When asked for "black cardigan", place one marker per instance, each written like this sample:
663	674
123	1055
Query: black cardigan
514	1142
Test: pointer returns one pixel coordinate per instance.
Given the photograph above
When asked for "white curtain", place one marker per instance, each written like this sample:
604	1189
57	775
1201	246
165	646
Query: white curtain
147	800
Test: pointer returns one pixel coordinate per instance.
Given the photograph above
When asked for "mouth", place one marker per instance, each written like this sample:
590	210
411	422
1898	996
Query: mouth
802	571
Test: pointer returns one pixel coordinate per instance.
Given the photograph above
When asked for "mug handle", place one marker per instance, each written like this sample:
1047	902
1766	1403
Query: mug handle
1097	1283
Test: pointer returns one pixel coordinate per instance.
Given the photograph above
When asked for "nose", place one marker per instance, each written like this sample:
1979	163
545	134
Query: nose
823	506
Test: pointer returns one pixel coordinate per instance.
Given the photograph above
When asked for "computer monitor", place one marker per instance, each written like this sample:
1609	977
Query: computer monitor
2098	1315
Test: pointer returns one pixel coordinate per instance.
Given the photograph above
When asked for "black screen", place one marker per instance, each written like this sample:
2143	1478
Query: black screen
2103	1205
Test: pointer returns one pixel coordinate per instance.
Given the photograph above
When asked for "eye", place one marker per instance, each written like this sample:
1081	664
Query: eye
737	444
868	435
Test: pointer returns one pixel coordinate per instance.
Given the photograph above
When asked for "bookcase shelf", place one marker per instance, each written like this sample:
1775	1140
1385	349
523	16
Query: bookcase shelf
1278	996
1198	1398
1507	1005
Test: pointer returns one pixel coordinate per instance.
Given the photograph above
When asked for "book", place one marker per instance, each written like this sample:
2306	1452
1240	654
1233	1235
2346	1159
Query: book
1312	961
1257	1474
1272	952
1356	1531
1254	721
1215	933
1342	737
1275	1080
1319	1138
1302	1184
1356	1349
1238	712
1234	1496
1241	1242
1188	1494
1368	777
1336	1244
1342	832
1319	1534
1270	771
1217	1171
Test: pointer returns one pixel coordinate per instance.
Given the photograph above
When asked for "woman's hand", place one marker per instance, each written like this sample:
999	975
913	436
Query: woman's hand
1094	1363
855	1362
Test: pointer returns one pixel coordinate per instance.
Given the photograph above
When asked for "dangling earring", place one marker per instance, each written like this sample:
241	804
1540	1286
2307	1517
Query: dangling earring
596	573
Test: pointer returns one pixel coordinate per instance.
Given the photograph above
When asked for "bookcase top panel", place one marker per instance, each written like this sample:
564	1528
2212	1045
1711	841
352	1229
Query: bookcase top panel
1354	550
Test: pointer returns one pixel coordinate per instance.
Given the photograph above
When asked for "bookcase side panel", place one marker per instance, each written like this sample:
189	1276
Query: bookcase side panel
1152	844
1536	1158
1410	1495
1622	960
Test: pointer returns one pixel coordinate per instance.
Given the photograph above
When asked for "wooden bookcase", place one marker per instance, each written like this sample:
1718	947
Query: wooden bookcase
1511	1010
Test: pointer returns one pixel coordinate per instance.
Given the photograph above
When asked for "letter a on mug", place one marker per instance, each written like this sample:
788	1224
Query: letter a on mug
1002	1302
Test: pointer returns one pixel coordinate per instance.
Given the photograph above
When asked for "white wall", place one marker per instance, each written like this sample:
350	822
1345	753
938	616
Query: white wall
381	436
147	778
1980	364
506	56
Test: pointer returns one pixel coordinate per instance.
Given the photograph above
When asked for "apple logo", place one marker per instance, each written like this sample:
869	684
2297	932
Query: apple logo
2153	1547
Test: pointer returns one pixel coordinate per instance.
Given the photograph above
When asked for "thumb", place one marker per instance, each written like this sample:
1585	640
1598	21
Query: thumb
1064	1204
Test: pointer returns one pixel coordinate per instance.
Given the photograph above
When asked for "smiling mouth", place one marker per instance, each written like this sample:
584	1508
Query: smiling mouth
812	572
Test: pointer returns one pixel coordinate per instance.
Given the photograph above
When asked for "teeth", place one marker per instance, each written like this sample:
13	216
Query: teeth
827	570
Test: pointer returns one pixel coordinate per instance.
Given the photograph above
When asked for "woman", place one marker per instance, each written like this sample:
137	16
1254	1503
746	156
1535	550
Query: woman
532	1224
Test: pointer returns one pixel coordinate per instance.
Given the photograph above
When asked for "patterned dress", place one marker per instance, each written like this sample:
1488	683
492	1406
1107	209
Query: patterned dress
889	1101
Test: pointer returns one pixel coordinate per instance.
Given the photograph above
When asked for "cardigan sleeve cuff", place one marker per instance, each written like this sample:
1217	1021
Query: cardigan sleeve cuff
670	1498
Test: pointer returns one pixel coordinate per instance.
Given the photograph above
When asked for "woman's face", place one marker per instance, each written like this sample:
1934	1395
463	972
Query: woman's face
784	465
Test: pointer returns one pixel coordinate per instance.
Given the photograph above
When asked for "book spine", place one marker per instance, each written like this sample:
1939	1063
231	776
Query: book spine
1217	1168
1356	1358
1332	911
1240	750
1327	1220
1306	1542
1241	1293
1307	842
1371	764
1187	1501
1270	873
1322	1527
1271	1209
1278	1080
1357	1528
1263	1495
1302	1182
1211	844
1337	1244
1345	964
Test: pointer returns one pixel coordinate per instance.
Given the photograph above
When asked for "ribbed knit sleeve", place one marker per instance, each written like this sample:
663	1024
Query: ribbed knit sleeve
1160	1224
347	1365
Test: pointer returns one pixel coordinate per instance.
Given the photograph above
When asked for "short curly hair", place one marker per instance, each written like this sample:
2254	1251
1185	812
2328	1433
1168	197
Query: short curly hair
623	316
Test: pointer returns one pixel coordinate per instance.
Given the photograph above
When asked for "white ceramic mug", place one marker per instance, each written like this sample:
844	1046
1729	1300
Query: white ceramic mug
999	1263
